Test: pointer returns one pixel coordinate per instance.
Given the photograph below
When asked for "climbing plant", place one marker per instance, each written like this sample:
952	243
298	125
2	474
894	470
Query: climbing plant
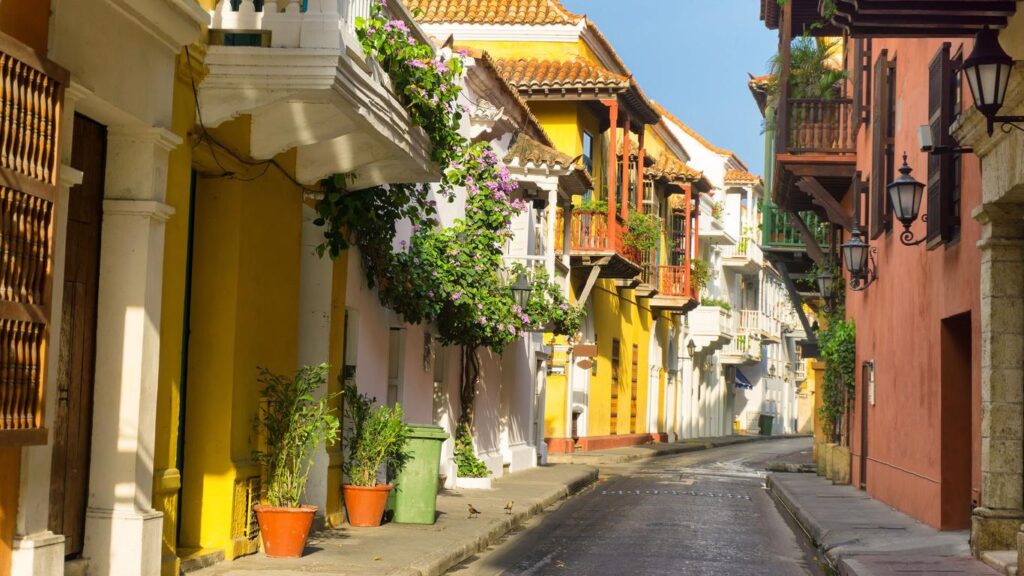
643	231
837	342
452	276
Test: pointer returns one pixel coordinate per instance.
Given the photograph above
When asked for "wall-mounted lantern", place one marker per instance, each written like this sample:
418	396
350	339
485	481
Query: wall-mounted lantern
988	71
906	194
521	291
860	261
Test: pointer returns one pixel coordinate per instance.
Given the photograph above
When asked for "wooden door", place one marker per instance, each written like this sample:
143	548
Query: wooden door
633	376
69	479
613	418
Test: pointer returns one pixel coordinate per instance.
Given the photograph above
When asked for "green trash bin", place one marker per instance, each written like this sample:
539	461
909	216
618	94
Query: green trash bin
416	486
764	424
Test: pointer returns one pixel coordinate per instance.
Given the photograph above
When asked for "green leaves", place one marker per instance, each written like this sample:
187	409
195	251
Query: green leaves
377	438
466	461
643	231
838	346
294	421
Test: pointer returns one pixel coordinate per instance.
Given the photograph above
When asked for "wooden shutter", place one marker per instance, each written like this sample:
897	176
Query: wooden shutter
857	71
613	413
30	110
879	103
940	166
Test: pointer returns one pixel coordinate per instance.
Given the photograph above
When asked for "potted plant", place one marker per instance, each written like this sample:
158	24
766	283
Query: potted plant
294	421
376	438
471	472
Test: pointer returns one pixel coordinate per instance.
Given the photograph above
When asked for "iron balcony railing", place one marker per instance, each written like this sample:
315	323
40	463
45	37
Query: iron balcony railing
779	232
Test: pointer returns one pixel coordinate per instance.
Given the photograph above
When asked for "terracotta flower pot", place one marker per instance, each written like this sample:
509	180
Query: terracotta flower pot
365	504
284	530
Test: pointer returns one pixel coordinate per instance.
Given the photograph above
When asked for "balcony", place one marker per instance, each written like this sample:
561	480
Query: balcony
674	292
591	243
780	235
744	349
710	327
302	78
712	230
745	256
815	139
757	323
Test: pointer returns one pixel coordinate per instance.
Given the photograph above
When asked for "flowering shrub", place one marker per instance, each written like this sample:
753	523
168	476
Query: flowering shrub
643	231
453	277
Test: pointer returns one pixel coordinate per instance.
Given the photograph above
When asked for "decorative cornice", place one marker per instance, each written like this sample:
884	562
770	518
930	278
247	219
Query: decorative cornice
145	208
174	23
159	137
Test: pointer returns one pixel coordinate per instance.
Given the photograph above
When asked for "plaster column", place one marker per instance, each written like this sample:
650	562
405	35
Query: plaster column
315	289
122	532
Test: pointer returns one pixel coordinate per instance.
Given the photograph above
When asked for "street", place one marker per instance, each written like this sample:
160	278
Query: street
698	513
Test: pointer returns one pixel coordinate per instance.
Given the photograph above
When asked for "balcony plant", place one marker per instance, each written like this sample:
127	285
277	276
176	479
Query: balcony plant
717	210
699	274
643	231
594	206
724	305
294	420
377	441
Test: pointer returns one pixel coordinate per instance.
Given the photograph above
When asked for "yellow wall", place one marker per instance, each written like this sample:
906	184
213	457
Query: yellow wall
539	50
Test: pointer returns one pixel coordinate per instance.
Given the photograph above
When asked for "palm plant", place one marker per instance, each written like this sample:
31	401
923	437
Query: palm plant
813	70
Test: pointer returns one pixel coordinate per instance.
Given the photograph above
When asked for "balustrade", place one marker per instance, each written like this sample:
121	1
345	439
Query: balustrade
820	126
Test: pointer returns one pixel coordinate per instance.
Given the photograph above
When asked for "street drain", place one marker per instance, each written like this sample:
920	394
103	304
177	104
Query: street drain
725	495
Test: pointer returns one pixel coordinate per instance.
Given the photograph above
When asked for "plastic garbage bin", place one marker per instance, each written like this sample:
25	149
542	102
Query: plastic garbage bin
416	486
764	424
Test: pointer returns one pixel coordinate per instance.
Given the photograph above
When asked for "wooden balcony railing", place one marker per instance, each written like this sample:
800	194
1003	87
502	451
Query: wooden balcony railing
671	281
588	232
817	126
30	112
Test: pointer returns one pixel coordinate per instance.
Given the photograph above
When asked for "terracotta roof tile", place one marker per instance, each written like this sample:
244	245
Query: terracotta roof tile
734	176
671	168
492	11
533	73
525	150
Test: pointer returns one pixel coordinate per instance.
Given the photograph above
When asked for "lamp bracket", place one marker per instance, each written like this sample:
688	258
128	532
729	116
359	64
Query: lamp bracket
859	283
1006	123
950	150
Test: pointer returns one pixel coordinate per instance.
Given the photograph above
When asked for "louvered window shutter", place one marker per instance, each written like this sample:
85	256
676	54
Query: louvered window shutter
31	108
857	70
940	166
879	103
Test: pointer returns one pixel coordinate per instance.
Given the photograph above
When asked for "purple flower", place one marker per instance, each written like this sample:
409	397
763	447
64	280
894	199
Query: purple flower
399	25
462	52
479	306
501	325
403	243
417	64
512	329
430	293
456	296
564	307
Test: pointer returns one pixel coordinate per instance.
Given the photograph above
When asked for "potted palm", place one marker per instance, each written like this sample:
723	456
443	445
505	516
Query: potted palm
376	438
294	421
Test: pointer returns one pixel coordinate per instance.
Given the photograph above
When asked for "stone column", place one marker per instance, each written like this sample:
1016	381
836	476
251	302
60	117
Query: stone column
995	524
122	528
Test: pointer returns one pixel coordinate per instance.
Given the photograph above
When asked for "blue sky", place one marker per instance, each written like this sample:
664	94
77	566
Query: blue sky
692	56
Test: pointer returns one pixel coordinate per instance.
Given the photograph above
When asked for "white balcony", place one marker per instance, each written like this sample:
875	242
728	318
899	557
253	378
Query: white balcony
744	256
713	231
757	323
304	81
744	349
710	327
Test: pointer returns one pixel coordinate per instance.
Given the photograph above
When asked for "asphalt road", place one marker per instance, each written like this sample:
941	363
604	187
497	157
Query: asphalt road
702	513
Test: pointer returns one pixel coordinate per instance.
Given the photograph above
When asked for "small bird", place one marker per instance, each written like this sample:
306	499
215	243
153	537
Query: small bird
473	512
508	506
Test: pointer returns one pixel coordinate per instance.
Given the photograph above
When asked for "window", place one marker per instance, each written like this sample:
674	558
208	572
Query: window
860	66
588	151
614	411
944	170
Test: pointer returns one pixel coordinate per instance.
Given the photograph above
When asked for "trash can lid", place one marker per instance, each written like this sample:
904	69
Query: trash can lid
427	431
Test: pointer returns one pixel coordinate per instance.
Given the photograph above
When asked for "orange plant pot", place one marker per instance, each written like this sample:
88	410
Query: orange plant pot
365	504
284	530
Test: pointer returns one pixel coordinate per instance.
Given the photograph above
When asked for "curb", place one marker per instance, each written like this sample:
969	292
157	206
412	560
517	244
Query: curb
624	458
440	562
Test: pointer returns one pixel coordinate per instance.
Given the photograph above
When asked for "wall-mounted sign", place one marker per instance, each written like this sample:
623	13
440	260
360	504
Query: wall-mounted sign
585	350
585	363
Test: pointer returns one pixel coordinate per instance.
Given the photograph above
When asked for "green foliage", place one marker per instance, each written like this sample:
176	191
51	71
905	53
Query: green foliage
469	466
591	205
837	343
643	231
700	274
376	437
717	210
294	422
723	304
812	70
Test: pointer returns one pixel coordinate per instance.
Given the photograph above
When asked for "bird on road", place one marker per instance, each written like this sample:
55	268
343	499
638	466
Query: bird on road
473	512
508	506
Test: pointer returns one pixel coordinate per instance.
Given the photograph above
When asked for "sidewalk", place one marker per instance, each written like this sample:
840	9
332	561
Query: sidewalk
645	451
861	536
417	550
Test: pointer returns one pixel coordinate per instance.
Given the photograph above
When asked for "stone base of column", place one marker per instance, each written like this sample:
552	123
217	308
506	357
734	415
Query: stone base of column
39	554
1020	549
993	529
123	542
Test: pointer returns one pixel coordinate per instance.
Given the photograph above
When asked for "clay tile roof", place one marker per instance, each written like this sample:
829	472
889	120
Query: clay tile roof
532	73
527	149
671	168
492	11
691	132
734	176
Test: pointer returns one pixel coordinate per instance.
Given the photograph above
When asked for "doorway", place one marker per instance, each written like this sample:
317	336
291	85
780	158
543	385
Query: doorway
69	473
956	422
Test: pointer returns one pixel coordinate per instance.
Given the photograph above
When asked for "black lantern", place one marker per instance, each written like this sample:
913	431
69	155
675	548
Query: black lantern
906	194
859	260
825	282
691	348
987	70
521	291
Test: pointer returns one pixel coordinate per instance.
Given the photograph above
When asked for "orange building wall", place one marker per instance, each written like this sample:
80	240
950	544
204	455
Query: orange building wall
916	290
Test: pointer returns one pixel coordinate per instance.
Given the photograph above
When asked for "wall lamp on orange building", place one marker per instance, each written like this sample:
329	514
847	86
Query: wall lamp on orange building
988	70
860	261
906	194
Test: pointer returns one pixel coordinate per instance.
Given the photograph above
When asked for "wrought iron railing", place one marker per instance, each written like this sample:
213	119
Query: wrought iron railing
778	230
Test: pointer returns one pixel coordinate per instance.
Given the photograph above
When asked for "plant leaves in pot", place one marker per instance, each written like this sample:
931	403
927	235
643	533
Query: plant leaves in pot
377	440
294	420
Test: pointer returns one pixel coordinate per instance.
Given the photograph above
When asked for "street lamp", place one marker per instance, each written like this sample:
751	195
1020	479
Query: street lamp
988	70
691	348
826	280
521	291
906	194
860	261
